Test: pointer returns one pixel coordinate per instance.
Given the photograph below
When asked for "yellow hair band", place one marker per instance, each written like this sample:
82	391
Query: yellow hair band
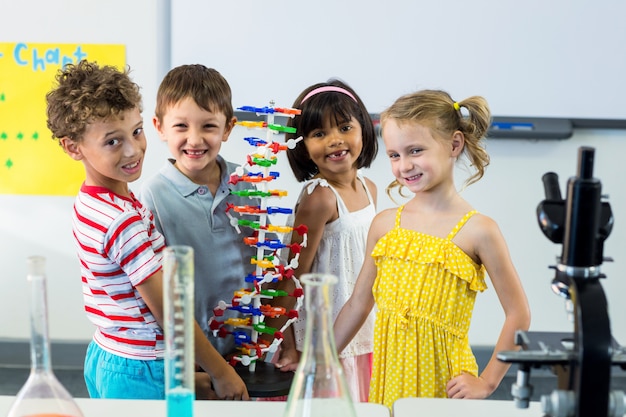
456	106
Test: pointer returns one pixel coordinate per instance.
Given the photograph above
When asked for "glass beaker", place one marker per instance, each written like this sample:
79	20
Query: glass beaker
319	387
178	323
42	395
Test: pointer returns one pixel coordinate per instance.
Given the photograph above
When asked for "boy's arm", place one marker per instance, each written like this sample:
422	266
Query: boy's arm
226	383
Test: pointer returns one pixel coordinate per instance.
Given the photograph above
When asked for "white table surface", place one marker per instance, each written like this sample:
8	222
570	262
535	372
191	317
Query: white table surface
442	407
156	408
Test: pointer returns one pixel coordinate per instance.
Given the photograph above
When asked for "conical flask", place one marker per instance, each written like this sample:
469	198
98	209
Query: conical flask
319	387
42	395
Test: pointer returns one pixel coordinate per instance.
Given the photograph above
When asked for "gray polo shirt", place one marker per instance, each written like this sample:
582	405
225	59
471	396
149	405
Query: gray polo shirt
187	214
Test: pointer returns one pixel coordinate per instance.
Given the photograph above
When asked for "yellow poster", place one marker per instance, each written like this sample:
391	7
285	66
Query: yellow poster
31	162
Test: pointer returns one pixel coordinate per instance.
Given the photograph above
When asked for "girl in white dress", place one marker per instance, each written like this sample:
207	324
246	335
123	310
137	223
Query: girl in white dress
337	204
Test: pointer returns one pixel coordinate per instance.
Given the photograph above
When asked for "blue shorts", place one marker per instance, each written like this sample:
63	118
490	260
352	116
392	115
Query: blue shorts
111	376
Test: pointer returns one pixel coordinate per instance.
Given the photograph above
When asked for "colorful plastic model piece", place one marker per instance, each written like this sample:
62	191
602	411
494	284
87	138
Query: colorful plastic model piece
250	304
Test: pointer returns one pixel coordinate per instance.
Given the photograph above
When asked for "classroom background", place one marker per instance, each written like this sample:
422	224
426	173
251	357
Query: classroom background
536	60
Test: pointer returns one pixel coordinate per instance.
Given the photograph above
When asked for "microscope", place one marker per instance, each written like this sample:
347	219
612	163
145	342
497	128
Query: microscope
582	360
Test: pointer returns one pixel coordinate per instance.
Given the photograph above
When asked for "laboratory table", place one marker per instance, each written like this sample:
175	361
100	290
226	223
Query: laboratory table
443	407
157	408
404	407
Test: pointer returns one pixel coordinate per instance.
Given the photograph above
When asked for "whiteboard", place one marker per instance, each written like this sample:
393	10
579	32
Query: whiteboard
41	225
556	59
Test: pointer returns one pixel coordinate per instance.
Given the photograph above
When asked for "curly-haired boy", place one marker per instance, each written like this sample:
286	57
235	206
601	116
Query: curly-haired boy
95	113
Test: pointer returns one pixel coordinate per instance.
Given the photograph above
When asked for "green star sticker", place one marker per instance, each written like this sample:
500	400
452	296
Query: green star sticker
2	97
4	136
35	136
20	136
8	163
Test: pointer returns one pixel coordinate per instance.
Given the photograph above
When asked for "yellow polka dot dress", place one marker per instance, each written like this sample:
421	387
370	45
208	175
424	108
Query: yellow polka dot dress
424	291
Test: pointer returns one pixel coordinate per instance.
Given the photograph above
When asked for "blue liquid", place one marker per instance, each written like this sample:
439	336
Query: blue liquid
179	402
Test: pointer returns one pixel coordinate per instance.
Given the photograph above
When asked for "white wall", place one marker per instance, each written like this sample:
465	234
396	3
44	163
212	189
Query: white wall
527	58
35	225
509	193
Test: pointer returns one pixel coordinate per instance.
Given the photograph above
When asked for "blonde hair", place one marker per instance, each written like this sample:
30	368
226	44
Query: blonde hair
439	112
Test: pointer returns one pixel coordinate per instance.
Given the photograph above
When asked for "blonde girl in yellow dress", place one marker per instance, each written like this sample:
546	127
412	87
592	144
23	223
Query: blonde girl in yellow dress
429	258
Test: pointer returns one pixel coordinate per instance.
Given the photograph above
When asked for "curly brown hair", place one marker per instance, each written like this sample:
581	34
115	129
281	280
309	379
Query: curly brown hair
87	92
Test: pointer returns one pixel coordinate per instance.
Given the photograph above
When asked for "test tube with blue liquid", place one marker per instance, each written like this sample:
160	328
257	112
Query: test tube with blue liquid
178	309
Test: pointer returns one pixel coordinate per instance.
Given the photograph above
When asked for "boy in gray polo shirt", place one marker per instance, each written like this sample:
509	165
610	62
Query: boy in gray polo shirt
189	195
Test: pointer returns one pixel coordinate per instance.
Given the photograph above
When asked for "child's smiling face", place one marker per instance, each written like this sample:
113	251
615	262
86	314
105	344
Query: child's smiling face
112	151
194	136
335	148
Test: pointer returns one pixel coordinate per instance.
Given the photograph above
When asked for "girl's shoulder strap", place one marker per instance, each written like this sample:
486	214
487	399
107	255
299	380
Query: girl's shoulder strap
367	190
311	184
460	224
398	215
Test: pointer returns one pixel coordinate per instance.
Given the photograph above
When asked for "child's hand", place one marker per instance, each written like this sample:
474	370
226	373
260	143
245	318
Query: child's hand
468	386
229	386
288	359
204	388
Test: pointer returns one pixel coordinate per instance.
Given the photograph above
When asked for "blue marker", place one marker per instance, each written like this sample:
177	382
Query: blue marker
512	126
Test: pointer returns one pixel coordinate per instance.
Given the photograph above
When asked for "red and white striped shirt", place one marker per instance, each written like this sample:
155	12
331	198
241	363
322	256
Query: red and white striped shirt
118	248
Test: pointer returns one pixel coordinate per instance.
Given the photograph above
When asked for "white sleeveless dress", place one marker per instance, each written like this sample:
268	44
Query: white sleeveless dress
341	252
